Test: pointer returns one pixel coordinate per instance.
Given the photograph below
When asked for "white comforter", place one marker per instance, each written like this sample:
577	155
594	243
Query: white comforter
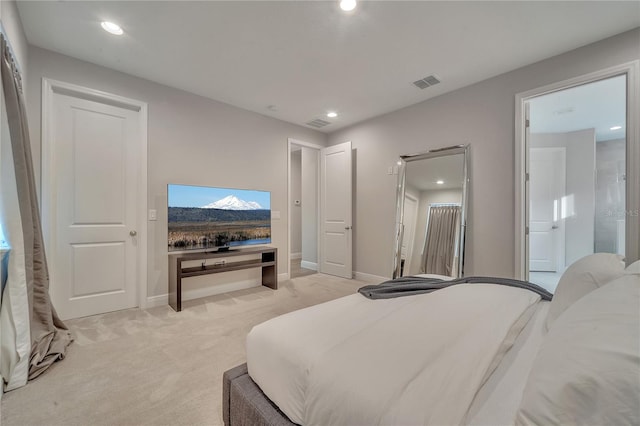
411	360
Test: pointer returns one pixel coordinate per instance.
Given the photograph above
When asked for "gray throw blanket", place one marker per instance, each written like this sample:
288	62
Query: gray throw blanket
409	286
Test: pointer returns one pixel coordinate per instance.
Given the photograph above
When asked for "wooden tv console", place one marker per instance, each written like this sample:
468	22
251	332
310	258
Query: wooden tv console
267	261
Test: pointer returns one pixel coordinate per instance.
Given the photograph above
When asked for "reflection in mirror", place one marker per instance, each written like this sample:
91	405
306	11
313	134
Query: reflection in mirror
431	213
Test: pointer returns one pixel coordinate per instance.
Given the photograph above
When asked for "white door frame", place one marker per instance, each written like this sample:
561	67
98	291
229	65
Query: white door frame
291	141
49	88
632	71
407	262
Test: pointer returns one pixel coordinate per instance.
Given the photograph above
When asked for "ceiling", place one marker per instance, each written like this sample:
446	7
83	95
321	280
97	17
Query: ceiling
600	105
423	174
297	60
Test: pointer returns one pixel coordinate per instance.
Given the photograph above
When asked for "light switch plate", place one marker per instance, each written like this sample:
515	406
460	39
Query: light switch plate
153	214
275	214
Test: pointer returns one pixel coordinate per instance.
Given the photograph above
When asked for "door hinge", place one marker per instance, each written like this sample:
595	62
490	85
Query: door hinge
526	176
526	123
526	230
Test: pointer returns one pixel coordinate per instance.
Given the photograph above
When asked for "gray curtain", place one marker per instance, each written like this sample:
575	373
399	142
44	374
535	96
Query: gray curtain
439	252
49	336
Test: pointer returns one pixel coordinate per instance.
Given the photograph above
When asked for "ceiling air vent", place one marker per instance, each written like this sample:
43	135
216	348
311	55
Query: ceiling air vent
428	81
317	123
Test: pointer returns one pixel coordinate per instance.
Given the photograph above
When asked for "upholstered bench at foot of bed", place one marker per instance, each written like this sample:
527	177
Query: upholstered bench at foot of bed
244	404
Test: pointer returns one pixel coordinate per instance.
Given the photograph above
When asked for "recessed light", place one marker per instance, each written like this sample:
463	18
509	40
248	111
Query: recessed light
615	128
440	182
347	5
112	28
332	114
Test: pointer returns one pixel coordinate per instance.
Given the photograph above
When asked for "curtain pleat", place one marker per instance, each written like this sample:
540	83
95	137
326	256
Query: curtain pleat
49	336
439	252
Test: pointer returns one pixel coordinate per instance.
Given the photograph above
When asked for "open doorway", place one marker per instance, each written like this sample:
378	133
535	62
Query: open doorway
576	164
304	173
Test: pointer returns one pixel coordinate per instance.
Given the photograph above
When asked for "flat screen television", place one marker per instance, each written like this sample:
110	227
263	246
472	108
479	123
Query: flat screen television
206	218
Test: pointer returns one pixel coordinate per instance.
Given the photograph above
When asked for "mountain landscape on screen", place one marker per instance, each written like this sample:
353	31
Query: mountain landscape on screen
234	218
231	202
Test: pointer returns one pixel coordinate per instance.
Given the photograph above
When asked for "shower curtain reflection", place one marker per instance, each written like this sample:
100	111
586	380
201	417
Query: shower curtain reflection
440	249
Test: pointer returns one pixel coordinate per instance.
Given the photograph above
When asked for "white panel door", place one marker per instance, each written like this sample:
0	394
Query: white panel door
335	211
546	189
94	195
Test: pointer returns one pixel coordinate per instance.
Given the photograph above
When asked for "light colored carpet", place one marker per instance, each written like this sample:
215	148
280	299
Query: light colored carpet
158	367
299	271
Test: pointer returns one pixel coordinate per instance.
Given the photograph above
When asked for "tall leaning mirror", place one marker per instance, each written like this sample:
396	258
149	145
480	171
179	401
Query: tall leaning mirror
431	213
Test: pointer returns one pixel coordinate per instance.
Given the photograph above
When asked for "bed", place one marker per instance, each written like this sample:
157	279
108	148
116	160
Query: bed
480	354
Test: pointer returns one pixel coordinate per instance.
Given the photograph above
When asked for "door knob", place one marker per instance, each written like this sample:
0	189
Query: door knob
347	227
133	233
554	227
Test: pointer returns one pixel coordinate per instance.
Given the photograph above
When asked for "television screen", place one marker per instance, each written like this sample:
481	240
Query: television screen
202	217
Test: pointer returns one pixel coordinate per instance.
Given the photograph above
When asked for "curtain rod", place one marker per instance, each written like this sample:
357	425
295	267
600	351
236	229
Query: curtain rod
11	51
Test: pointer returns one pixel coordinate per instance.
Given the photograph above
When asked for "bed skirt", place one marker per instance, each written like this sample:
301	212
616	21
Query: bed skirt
244	404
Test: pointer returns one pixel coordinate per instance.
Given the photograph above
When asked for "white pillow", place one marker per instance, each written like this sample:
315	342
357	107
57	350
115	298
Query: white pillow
587	369
634	268
582	277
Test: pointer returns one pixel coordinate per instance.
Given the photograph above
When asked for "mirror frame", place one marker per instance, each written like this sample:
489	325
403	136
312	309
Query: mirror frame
400	194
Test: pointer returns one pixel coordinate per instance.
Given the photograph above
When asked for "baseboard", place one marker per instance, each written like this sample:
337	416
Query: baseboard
163	299
283	277
369	278
296	256
160	300
218	289
309	265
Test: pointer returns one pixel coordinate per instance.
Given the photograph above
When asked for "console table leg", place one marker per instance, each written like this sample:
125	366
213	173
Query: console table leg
174	291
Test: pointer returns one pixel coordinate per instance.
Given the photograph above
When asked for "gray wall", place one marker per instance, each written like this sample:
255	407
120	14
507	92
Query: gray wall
580	183
296	194
481	115
15	33
192	140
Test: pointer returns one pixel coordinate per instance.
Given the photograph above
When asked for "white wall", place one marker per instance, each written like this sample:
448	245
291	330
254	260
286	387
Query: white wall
425	199
310	170
192	140
481	115
610	193
580	187
581	170
296	210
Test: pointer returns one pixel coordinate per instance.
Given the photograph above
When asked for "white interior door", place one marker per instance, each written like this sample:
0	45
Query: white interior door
410	213
335	211
546	190
93	193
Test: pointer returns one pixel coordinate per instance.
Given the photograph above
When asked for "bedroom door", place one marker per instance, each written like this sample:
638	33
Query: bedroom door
546	192
336	225
92	202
